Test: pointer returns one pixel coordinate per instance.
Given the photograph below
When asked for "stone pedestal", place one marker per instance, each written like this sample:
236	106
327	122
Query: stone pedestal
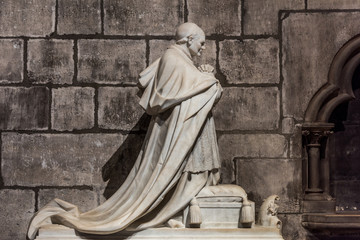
52	232
220	214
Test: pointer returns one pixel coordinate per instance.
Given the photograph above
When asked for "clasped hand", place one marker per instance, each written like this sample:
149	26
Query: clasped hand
206	68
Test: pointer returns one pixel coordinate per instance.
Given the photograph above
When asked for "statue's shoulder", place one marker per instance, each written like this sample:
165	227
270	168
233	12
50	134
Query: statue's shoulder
170	53
172	58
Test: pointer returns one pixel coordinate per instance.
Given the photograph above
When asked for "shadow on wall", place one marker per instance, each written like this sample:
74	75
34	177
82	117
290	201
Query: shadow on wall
121	162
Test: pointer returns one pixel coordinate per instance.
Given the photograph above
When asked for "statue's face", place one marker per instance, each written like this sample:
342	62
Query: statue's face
196	45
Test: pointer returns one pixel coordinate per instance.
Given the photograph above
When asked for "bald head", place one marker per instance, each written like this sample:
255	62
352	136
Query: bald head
188	29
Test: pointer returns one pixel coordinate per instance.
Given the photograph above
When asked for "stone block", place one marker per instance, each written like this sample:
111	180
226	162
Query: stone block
253	145
248	109
288	125
11	60
158	48
33	18
333	4
249	146
84	199
119	108
50	61
79	17
17	208
250	61
24	108
292	228
111	61
56	159
296	145
264	177
208	56
72	108
310	42
137	17
216	17
261	16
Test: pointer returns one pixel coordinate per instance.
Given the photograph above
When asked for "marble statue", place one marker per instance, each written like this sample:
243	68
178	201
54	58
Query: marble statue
180	150
174	181
268	213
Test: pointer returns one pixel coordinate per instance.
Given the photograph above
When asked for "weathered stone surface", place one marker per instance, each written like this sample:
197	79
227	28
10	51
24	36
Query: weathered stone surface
250	61
50	61
292	228
24	108
119	108
264	177
261	16
333	4
296	145
158	47
11	60
111	61
216	17
27	18
62	159
137	17
208	56
253	145
288	125
79	17
310	42
17	208
72	108
248	109
249	146
84	199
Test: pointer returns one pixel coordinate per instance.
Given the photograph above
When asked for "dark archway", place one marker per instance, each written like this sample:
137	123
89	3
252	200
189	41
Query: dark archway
327	115
343	151
316	128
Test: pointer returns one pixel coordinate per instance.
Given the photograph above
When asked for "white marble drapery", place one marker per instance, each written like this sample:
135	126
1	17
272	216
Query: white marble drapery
180	98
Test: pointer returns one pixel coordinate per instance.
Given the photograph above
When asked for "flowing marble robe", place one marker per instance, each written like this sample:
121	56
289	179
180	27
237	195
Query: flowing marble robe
180	144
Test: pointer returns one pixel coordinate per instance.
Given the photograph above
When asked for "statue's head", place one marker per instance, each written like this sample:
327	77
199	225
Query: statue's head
192	36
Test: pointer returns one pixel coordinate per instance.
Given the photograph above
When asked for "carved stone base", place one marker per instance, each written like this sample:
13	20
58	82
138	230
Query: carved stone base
220	214
322	206
52	232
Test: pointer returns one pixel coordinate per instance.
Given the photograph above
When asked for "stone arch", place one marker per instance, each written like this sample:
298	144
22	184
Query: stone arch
338	88
316	126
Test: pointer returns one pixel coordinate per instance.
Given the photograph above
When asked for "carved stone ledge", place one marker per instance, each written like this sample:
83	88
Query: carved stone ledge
317	127
52	232
333	226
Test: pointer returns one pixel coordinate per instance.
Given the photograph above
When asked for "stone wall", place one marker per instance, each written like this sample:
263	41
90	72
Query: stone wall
70	123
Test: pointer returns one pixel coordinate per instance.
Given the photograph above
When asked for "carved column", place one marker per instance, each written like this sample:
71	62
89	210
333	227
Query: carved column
315	199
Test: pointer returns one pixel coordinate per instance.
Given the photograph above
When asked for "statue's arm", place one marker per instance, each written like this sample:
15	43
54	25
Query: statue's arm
208	69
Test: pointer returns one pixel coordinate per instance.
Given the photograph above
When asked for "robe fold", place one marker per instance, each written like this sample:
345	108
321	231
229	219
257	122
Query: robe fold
180	140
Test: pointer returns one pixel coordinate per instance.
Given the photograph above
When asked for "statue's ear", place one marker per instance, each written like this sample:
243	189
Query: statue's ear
190	39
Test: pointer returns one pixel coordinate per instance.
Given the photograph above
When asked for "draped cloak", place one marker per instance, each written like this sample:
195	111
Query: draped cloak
180	98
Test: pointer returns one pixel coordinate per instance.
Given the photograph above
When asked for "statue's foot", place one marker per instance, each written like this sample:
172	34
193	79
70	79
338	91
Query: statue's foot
172	223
